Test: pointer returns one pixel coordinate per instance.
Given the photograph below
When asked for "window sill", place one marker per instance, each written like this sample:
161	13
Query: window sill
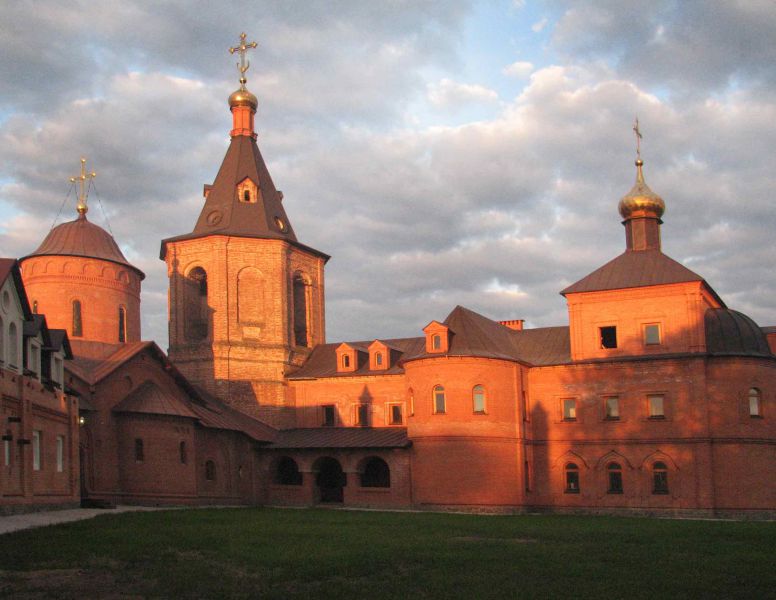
574	420
570	491
615	419
479	412
657	418
656	493
614	492
756	417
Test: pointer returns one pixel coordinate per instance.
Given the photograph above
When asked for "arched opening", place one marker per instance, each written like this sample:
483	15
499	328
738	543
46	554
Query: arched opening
300	312
572	478
196	307
330	479
614	471
77	328
659	478
478	399
13	345
754	403
376	473
122	324
440	403
287	472
183	452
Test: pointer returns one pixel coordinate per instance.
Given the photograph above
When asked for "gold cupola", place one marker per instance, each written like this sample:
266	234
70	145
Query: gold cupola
243	103
641	201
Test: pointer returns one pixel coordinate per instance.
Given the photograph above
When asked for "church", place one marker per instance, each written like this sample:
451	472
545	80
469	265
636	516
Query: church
654	398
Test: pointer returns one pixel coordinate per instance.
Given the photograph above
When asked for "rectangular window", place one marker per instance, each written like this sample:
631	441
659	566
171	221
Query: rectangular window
362	415
56	375
7	452
608	337
379	359
139	450
34	357
613	408
328	415
656	408
396	416
569	409
652	334
36	435
60	453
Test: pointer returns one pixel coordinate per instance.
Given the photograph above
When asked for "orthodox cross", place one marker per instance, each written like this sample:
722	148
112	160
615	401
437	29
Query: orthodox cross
637	131
82	208
244	63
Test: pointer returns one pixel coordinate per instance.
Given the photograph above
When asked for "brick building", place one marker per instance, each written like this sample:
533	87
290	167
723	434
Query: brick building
655	397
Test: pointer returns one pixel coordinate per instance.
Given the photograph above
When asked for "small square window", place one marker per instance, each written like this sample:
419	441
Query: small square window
652	334
613	408
396	414
656	408
328	415
608	337
569	409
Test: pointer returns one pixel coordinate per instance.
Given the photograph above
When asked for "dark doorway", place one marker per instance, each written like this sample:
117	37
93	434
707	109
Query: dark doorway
330	480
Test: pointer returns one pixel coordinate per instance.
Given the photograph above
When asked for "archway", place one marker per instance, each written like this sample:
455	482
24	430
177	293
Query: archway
330	480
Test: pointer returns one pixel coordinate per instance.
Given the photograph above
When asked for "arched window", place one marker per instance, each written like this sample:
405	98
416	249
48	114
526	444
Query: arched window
659	478
755	409
122	324
139	450
300	312
197	312
182	451
572	478
376	473
615	478
13	345
210	470
439	399
478	399
287	472
78	329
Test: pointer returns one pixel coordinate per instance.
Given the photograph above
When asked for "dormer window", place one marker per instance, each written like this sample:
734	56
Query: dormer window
247	191
379	359
381	356
437	337
348	358
346	361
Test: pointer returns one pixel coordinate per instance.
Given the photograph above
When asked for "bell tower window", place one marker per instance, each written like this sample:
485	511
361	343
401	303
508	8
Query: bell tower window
197	312
122	324
300	291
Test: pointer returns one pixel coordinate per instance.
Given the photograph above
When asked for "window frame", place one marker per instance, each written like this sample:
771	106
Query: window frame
568	416
391	410
571	478
479	390
60	453
139	450
326	411
660	485
438	394
37	450
651	414
603	332
608	416
362	415
614	478
757	397
77	324
645	329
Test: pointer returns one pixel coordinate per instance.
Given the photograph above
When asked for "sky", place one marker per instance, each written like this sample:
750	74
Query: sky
443	152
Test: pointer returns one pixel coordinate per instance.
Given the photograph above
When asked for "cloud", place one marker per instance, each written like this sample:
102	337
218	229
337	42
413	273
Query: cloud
520	69
539	26
447	93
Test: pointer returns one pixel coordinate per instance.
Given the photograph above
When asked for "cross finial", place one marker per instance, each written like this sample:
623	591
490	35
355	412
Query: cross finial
244	63
82	208
637	131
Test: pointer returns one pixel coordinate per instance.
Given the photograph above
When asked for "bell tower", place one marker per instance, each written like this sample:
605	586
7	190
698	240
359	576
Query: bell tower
246	298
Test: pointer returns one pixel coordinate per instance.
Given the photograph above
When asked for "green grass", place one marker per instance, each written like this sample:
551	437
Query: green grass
274	553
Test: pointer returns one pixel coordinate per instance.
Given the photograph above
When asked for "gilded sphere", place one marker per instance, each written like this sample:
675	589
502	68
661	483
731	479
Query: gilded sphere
243	97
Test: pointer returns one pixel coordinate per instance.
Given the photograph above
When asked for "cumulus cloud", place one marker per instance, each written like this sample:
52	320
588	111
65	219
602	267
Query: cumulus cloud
498	214
447	93
520	69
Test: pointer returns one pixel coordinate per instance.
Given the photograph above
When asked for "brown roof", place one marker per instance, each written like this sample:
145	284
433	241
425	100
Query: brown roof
149	399
224	214
731	333
9	267
342	437
82	238
636	268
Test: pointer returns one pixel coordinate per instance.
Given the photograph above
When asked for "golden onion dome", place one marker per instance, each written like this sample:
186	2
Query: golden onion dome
243	97
641	201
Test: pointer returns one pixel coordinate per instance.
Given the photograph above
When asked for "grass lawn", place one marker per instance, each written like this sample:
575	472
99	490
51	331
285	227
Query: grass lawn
274	553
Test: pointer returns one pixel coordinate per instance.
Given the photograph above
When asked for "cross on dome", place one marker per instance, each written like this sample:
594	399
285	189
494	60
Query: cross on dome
244	63
82	208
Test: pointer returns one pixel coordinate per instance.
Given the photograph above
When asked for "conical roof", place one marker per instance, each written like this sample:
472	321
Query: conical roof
82	238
